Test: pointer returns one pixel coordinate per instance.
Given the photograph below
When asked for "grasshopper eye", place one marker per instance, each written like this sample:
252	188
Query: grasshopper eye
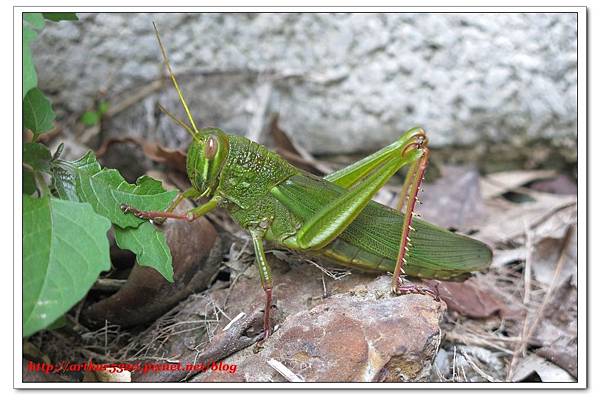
210	150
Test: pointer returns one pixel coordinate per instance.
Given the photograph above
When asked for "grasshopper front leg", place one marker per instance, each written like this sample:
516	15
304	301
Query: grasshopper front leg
257	240
160	216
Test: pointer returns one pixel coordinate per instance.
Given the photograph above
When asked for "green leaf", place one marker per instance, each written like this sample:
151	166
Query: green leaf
90	118
84	180
37	156
38	115
29	186
65	247
56	17
36	20
149	245
106	190
64	175
29	74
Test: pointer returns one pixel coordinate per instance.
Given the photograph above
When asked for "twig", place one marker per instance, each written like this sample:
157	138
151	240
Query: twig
477	368
325	294
454	365
527	272
528	332
235	319
284	371
334	274
138	95
108	284
105	337
470	340
222	345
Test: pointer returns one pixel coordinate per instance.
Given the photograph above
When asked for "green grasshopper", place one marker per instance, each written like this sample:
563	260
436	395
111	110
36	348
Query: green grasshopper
332	217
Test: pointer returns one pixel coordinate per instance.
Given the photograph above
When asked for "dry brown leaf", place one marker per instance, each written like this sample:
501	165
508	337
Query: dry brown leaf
544	256
562	184
454	200
557	332
496	184
547	371
471	299
562	353
174	158
114	141
504	256
507	221
293	152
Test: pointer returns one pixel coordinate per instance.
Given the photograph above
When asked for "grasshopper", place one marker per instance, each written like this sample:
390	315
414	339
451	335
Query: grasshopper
332	217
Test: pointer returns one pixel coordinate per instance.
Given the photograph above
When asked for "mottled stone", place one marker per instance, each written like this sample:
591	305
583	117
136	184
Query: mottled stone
365	334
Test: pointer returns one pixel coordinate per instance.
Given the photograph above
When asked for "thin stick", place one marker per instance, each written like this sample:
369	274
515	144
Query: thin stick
527	273
334	274
284	371
325	295
527	333
235	319
108	284
477	368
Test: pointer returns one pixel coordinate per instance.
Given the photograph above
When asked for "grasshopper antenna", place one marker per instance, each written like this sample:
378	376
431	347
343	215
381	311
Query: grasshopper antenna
192	130
177	120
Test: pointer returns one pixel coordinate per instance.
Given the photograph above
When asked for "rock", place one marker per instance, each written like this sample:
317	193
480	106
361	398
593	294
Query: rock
365	334
196	251
464	77
356	331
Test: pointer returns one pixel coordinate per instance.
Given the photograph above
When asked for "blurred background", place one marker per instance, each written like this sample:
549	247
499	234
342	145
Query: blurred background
340	83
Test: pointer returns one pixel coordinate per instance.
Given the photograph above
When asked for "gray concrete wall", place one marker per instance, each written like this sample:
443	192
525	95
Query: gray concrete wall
341	82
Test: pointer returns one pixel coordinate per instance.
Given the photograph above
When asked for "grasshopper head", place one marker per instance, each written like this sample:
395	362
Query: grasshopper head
208	152
205	159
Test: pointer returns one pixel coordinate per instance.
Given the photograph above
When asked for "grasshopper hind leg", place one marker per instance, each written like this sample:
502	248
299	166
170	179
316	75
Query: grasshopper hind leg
409	196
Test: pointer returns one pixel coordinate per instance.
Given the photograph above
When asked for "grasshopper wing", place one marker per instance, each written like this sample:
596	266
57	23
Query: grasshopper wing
434	253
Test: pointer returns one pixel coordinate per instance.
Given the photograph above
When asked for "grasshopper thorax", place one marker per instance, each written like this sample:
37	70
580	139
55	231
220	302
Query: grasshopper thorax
205	159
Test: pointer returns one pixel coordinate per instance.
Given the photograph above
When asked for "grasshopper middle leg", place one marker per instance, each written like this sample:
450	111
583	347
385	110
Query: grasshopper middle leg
266	279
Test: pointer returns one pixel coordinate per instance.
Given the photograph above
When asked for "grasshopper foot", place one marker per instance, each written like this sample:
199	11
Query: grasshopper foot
267	331
136	212
151	216
409	288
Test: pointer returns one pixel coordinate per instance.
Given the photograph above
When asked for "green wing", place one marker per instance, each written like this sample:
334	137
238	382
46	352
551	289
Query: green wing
435	252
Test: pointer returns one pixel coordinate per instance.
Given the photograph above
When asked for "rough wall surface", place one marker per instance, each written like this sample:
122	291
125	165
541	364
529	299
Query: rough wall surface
340	82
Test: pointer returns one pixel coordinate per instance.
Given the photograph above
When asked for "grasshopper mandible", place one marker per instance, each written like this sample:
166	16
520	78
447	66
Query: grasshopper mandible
332	217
